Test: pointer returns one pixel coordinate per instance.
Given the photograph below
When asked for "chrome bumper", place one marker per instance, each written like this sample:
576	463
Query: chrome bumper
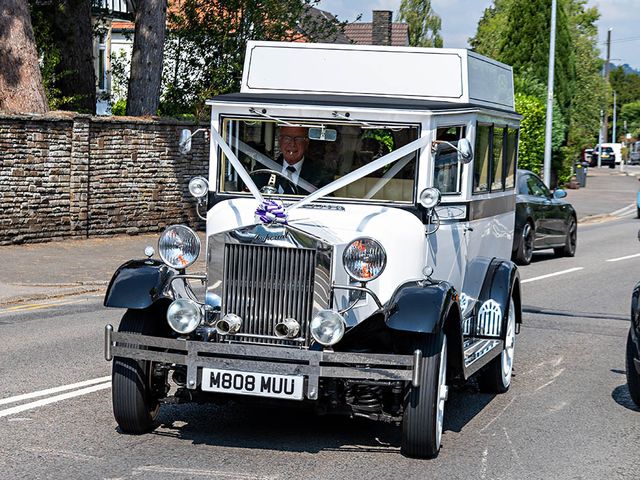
262	359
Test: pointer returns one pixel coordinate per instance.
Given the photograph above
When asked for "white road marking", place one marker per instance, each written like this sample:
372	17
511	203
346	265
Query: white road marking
548	275
49	391
624	258
625	210
57	398
485	453
217	284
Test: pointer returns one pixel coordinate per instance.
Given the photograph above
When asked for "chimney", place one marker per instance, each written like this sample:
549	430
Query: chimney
381	27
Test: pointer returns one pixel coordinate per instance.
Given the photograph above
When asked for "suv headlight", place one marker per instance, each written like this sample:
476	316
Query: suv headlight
364	259
179	246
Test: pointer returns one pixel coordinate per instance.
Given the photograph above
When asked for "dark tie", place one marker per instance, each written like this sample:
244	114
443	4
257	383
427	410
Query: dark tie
291	169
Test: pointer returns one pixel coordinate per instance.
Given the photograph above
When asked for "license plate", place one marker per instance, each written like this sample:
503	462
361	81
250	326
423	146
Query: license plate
258	384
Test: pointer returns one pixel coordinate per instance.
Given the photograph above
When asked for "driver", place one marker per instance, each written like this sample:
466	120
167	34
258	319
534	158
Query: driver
294	143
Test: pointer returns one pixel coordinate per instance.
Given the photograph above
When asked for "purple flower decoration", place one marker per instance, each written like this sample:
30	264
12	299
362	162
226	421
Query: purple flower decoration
271	211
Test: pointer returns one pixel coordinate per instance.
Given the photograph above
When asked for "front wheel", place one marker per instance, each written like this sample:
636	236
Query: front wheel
496	378
424	405
633	377
135	400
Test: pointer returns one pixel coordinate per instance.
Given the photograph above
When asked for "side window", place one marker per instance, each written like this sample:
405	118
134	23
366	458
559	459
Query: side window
498	156
511	154
446	166
482	159
537	188
523	187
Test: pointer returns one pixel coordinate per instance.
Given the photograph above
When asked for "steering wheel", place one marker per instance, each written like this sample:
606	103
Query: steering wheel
270	181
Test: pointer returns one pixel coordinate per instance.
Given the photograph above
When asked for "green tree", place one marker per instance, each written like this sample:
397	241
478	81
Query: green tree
424	23
630	113
206	42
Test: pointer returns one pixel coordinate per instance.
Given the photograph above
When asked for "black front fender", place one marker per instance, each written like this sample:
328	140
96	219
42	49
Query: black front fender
420	306
139	284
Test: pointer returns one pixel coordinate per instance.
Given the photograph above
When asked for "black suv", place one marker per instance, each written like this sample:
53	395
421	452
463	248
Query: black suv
608	157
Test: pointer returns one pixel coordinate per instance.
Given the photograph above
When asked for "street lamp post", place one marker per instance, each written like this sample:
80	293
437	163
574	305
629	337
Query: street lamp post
548	130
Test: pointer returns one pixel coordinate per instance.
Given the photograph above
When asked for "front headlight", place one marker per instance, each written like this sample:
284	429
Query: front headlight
179	246
184	315
327	327
364	259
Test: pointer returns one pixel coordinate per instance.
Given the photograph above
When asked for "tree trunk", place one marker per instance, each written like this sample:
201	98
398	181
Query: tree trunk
21	89
75	74
146	61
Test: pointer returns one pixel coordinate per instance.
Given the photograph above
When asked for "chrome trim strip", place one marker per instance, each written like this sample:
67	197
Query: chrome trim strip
417	365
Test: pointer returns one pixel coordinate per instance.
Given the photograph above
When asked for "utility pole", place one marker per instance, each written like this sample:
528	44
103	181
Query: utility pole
613	133
605	125
548	130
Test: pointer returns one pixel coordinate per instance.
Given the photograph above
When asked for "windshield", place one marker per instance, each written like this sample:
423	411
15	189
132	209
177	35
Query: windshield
298	158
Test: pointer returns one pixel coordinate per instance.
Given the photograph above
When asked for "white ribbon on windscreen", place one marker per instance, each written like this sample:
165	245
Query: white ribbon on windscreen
333	186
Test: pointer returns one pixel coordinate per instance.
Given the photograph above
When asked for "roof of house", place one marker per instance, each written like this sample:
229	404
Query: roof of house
121	25
311	25
361	33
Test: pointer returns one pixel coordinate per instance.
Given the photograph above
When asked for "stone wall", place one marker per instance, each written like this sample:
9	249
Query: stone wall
67	176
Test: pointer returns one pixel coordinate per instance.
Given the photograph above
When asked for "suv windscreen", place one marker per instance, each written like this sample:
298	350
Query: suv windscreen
285	158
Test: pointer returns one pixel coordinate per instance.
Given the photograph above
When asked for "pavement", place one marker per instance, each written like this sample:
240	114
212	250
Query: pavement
45	271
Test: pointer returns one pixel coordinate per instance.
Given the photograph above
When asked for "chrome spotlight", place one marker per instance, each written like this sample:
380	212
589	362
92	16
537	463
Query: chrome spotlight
288	328
229	324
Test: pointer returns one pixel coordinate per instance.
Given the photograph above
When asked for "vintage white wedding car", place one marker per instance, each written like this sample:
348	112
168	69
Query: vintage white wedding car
364	287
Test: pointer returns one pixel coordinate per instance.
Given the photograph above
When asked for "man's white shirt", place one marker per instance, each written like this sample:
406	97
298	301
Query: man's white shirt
293	176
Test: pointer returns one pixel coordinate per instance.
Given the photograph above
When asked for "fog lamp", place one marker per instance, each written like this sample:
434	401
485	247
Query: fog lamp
184	315
327	327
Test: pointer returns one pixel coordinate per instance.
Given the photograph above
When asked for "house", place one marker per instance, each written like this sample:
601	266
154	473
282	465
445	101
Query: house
381	31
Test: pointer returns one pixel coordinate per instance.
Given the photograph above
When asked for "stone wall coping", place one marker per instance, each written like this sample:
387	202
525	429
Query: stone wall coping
62	116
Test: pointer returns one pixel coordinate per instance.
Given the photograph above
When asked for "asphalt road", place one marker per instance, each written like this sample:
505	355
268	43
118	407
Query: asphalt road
567	415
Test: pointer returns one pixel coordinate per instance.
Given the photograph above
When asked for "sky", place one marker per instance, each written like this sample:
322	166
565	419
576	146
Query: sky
460	18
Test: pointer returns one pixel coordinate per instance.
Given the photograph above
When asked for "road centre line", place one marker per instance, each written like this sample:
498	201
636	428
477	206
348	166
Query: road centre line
548	275
36	306
49	391
57	398
624	258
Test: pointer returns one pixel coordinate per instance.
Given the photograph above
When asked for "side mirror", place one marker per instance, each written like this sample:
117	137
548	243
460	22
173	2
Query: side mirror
184	145
559	193
465	151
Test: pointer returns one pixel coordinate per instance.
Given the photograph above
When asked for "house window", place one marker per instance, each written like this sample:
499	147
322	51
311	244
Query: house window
102	63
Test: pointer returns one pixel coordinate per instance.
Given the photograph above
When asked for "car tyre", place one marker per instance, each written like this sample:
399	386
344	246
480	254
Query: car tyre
633	377
571	241
423	418
524	253
135	406
496	377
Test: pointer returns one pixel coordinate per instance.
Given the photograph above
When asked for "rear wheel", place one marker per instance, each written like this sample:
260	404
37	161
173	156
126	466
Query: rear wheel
134	387
424	405
571	241
633	377
496	378
524	253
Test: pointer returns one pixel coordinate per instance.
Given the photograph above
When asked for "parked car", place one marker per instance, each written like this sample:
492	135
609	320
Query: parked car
366	282
633	347
543	220
608	157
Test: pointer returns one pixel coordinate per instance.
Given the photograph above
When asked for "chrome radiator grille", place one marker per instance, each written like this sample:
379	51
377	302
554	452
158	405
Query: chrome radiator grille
266	284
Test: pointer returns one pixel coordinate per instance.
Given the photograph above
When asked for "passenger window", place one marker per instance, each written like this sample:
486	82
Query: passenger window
447	168
537	188
511	154
482	159
498	164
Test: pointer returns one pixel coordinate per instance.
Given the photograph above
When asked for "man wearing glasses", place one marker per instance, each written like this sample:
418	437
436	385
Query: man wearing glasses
294	142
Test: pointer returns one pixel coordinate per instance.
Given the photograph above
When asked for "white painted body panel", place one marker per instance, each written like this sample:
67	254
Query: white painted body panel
400	233
442	74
